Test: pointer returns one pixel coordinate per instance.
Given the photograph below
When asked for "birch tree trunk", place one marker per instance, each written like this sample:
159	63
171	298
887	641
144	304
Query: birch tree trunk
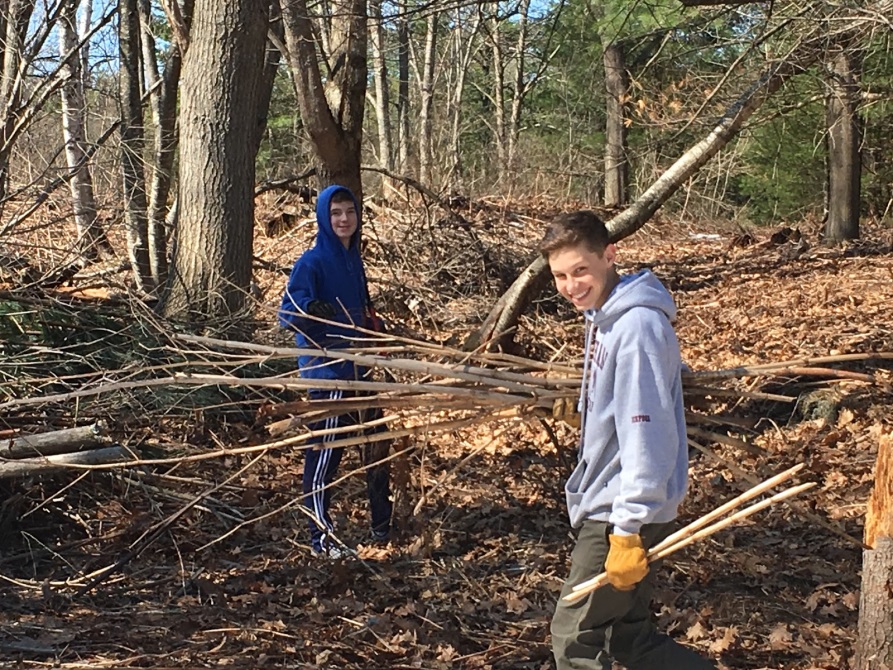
874	648
426	102
465	45
616	156
219	120
844	142
382	94
132	147
403	145
91	237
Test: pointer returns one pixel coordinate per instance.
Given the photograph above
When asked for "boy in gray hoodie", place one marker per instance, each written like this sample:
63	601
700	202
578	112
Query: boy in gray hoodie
632	465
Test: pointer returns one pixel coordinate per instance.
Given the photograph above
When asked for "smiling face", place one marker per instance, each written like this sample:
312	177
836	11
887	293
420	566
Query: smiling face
583	276
343	216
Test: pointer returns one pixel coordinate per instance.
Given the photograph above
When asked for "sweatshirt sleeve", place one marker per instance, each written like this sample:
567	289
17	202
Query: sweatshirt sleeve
299	292
645	418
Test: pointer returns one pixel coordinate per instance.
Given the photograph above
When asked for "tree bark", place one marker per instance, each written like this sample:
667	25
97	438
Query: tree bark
14	21
55	442
463	53
844	141
132	145
222	71
163	103
616	155
874	648
382	94
51	464
403	145
426	102
91	237
332	112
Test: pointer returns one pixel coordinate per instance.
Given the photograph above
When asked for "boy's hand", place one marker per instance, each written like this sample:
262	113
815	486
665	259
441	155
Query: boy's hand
627	563
321	309
565	409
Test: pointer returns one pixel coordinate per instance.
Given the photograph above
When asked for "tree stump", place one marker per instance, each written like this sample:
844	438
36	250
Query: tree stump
874	649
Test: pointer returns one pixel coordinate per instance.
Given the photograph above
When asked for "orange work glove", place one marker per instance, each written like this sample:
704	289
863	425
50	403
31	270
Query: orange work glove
565	409
627	563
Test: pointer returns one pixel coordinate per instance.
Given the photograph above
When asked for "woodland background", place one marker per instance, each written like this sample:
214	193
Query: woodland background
158	167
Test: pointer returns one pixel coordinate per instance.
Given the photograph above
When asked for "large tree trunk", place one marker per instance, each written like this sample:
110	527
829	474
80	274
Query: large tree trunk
132	145
332	112
616	156
91	237
874	648
221	81
498	327
844	141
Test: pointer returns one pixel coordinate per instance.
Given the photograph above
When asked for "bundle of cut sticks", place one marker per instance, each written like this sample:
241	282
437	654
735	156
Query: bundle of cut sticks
708	525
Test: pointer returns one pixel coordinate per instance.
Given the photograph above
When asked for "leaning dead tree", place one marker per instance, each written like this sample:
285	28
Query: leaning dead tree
498	327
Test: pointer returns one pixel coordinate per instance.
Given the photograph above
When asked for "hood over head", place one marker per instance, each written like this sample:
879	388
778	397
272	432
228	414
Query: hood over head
325	236
642	289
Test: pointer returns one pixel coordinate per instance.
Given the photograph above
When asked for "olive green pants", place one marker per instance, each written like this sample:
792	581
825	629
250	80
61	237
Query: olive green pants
608	624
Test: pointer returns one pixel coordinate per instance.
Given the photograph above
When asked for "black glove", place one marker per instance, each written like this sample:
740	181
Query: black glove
321	309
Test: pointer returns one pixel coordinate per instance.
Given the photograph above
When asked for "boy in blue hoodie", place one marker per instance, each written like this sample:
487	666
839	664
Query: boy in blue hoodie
632	468
326	296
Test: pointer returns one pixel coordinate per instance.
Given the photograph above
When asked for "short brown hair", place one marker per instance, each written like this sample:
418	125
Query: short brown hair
575	228
342	195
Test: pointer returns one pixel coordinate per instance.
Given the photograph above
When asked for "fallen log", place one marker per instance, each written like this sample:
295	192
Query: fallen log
58	462
63	441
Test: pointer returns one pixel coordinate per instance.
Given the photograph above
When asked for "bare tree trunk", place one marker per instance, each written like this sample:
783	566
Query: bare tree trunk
332	112
132	146
520	85
499	122
163	103
844	141
91	237
463	54
14	20
403	149
382	95
222	71
426	101
874	648
616	156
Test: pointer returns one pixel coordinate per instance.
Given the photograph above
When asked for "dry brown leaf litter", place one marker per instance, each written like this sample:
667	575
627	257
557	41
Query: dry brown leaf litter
471	580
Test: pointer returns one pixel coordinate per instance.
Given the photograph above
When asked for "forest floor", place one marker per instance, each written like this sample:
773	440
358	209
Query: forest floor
472	575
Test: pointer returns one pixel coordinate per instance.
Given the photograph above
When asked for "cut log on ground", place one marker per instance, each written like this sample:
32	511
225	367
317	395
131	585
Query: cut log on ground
63	441
59	462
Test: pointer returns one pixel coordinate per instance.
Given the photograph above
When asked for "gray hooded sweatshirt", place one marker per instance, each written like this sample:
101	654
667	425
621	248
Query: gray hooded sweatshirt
633	457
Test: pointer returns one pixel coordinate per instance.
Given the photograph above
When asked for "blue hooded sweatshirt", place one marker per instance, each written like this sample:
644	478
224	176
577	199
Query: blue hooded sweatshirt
633	460
332	273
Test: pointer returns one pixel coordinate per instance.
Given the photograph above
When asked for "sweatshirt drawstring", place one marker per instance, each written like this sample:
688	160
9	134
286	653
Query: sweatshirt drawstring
587	365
